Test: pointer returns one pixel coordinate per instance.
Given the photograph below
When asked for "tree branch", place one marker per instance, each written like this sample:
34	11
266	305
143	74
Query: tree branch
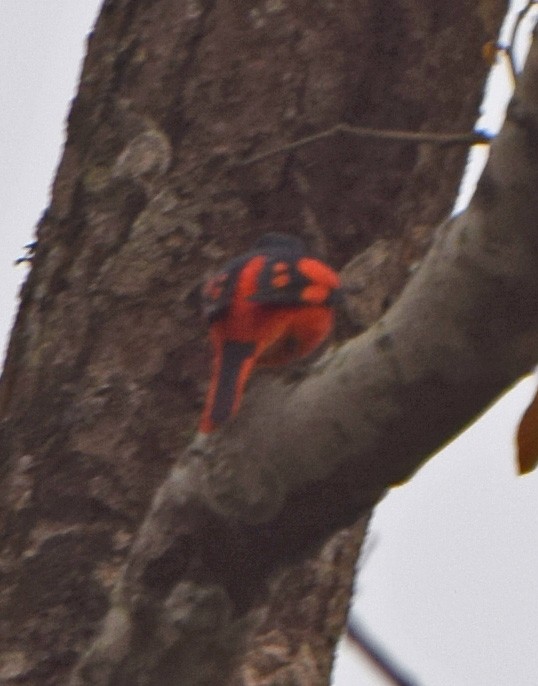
509	49
377	655
470	138
465	329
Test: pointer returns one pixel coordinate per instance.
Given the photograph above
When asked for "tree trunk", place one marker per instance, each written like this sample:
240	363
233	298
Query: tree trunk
106	369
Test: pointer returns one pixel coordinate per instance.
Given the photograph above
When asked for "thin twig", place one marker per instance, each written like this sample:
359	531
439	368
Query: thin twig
508	50
471	138
30	252
355	633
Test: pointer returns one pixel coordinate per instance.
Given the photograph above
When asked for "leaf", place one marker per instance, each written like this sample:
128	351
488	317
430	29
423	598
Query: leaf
527	438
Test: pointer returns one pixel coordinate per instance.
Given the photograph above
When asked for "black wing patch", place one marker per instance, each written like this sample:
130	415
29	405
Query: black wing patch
217	292
280	283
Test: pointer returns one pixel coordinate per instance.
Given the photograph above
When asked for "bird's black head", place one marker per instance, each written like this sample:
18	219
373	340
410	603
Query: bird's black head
281	241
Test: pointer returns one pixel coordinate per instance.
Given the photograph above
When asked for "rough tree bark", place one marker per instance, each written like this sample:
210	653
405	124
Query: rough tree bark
241	573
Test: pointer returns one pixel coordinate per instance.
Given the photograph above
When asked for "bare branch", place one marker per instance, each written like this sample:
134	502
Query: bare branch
508	50
357	636
470	138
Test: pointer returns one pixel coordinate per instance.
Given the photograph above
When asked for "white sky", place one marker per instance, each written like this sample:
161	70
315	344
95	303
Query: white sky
450	582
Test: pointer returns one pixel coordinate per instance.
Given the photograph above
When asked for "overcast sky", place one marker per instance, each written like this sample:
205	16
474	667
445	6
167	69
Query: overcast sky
449	583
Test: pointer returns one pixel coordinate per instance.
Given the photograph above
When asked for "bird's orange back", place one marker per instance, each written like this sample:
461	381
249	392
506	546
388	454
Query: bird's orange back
270	306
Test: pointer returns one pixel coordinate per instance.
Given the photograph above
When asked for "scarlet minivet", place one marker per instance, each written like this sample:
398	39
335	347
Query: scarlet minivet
270	306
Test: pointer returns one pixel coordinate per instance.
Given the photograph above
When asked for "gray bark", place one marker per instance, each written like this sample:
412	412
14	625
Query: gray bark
242	570
465	328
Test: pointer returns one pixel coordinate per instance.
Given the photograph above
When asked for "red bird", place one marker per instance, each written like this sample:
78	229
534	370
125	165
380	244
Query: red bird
270	306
